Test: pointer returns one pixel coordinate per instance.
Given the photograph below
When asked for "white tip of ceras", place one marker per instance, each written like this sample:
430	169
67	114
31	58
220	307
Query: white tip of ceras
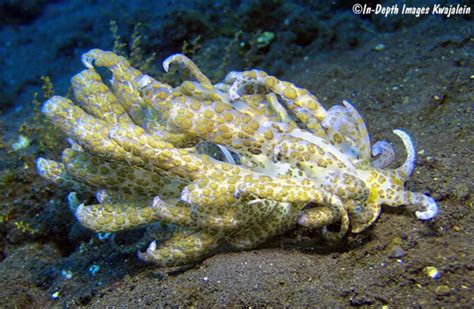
347	104
48	169
379	147
303	220
406	139
386	152
143	81
146	256
50	104
79	213
185	195
73	202
234	91
101	196
41	165
232	76
409	163
431	209
236	86
151	248
169	60
87	60
158	203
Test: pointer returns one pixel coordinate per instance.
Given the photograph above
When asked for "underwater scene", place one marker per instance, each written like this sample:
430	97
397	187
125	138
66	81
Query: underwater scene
222	154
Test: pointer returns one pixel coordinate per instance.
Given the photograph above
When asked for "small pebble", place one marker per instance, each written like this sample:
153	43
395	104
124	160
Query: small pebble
67	274
94	269
432	272
379	47
55	295
395	249
442	290
397	252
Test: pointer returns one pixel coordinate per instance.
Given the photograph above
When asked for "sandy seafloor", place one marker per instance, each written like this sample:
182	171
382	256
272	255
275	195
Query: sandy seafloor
417	77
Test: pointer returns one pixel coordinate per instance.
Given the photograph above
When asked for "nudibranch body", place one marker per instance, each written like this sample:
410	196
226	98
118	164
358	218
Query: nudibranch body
286	159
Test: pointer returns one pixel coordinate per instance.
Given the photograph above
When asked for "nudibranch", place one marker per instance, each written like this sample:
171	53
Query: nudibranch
284	159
